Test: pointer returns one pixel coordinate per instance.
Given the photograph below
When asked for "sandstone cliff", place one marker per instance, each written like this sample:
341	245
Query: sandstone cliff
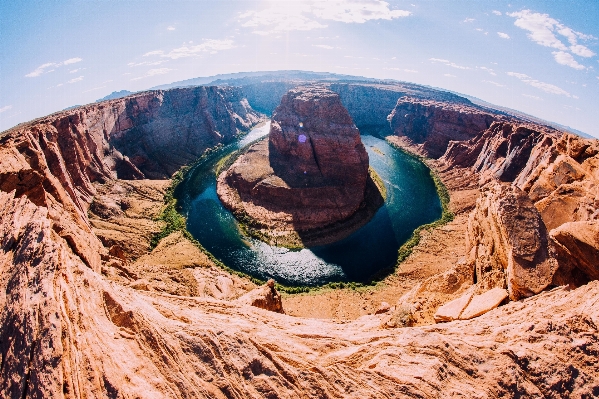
68	331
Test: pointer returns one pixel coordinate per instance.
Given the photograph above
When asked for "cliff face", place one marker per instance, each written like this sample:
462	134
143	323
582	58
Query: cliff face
433	124
67	331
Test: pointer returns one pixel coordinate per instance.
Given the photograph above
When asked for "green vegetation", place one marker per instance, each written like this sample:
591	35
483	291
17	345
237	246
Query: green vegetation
174	221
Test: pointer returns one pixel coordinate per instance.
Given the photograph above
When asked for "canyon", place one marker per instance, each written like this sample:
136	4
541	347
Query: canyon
91	307
311	174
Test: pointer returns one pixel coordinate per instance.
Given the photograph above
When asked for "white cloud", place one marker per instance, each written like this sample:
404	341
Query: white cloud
491	71
40	70
155	52
211	46
72	61
543	30
95	88
493	83
399	69
5	108
469	20
76	70
563	58
146	63
324	46
546	87
448	63
154	72
300	15
44	68
533	97
170	28
540	26
75	80
503	35
581	50
496	12
449	75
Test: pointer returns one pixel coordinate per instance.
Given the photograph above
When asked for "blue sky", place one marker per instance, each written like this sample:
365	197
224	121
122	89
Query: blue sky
539	57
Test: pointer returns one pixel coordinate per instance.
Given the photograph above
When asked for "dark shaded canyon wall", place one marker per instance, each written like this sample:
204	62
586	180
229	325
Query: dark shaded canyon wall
147	135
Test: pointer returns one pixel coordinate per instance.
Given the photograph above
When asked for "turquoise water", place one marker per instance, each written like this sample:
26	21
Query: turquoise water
411	201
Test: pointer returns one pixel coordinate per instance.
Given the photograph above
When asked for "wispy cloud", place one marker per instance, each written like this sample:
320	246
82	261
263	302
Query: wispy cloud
503	35
563	58
449	75
493	83
324	46
51	66
5	108
489	70
154	72
545	30
146	63
170	28
448	63
303	15
211	46
95	88
496	12
75	80
400	69
546	87
533	97
469	20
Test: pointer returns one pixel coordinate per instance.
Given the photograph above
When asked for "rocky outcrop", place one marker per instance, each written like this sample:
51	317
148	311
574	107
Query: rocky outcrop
69	329
433	124
312	172
265	297
509	243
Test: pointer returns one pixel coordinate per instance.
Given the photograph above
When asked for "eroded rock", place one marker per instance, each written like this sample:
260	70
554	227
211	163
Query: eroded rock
509	242
264	297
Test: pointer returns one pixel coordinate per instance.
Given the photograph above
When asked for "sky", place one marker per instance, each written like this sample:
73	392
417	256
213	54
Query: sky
538	57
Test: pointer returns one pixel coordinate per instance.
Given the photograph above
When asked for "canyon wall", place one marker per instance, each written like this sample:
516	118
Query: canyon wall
68	332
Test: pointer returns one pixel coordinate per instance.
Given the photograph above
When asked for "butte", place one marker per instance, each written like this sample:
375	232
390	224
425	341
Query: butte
307	184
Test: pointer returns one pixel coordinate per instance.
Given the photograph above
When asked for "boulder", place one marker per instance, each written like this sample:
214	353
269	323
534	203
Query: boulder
264	297
508	242
453	309
481	304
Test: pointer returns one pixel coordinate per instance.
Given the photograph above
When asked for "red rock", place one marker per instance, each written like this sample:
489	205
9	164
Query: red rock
433	124
509	242
481	304
264	297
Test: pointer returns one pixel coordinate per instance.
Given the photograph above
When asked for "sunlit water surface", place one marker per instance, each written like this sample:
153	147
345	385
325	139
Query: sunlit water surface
411	201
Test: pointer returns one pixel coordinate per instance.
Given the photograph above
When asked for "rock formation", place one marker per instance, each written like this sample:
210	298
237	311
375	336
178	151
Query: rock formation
69	328
312	172
510	244
433	124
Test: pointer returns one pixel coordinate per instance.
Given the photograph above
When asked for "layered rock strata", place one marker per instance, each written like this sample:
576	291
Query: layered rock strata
68	331
311	173
433	124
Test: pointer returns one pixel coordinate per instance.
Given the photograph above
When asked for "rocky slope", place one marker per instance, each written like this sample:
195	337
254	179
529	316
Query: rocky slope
84	316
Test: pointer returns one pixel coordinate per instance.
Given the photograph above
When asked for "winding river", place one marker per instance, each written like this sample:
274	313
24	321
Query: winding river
411	201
